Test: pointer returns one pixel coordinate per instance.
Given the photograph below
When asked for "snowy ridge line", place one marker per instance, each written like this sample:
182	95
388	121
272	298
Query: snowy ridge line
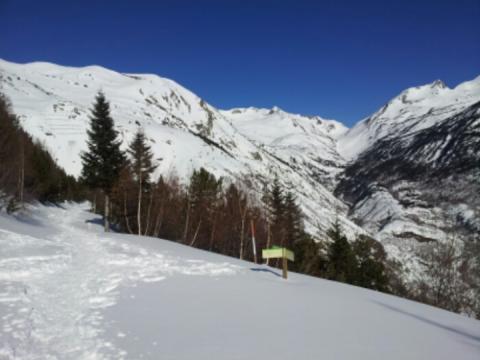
414	109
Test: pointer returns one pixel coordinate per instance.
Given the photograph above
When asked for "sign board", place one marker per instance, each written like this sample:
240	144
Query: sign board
277	252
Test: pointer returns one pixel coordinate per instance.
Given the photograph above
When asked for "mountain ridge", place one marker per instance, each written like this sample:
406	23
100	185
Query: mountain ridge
185	132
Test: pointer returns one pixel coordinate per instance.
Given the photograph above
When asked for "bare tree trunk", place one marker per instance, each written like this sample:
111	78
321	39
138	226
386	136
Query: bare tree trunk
139	206
196	233
107	213
212	234
159	220
187	220
243	215
149	210
127	221
21	177
94	209
242	232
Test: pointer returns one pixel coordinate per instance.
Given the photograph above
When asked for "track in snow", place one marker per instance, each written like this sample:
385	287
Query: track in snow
55	295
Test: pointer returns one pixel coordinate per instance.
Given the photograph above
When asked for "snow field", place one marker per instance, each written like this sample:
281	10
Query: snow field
70	291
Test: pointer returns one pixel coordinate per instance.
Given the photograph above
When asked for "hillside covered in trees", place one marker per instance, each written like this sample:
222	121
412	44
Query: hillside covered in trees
27	170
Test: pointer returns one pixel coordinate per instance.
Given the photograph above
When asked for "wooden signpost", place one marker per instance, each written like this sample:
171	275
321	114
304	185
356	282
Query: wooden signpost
276	252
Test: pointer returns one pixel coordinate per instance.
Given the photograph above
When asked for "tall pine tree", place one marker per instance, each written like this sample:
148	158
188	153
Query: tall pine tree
274	200
371	271
141	163
293	221
204	194
342	261
104	160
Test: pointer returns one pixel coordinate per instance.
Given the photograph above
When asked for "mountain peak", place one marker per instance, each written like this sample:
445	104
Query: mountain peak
275	109
413	109
438	84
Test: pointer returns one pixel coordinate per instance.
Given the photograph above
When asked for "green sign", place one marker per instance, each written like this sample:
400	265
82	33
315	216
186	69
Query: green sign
277	252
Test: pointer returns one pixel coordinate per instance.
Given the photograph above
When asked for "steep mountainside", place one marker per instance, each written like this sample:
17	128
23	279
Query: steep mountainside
308	144
419	187
412	110
185	132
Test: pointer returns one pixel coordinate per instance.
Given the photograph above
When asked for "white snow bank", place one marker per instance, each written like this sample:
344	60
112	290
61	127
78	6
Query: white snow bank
68	291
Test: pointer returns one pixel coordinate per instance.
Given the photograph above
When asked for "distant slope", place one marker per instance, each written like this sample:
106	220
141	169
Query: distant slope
413	169
307	143
70	291
417	189
412	110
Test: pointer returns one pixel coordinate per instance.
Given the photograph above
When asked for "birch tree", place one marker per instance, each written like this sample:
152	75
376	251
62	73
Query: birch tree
141	162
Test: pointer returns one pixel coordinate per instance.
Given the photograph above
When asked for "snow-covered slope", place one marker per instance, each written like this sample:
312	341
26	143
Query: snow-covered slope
307	143
185	132
413	110
413	170
53	104
70	291
419	188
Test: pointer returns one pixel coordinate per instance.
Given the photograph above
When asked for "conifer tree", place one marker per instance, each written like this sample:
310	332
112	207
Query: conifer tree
274	199
202	204
104	160
342	262
371	272
277	202
141	163
308	258
293	220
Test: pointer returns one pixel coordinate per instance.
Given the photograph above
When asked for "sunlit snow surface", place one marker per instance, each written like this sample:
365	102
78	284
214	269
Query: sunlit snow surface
69	291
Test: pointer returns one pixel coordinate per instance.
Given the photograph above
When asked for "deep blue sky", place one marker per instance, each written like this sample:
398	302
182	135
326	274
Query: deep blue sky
338	59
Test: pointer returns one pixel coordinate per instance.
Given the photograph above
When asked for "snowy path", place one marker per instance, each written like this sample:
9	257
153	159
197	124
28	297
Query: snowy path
55	295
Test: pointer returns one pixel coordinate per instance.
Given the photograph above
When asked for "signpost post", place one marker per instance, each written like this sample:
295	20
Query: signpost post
276	252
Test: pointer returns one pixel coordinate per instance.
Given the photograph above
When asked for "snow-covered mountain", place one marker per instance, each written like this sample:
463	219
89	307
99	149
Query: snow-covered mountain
414	178
186	133
379	177
70	291
306	143
412	110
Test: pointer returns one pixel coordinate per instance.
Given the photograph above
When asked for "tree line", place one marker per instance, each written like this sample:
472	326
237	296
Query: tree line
215	215
210	213
27	170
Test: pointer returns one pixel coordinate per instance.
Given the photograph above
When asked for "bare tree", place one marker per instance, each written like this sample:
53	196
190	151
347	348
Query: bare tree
451	282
